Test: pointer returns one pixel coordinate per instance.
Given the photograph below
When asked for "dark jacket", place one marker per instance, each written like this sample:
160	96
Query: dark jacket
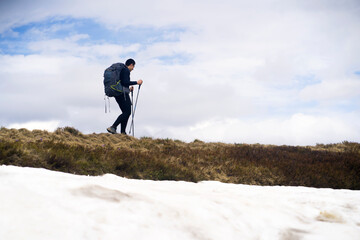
125	78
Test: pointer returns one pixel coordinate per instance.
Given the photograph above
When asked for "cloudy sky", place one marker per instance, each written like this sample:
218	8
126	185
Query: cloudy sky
271	72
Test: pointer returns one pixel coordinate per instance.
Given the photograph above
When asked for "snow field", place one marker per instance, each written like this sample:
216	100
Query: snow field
43	204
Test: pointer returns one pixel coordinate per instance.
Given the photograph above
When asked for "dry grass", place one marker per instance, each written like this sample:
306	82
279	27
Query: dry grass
68	150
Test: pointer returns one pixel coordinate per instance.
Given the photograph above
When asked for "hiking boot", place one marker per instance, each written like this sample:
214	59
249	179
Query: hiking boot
111	130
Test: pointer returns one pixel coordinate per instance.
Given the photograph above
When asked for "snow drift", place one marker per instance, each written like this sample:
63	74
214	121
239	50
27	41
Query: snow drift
43	204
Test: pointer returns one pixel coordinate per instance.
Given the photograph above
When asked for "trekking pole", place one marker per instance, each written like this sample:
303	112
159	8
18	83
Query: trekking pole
137	96
132	122
132	113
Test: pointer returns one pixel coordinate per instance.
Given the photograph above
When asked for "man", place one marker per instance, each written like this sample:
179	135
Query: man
124	99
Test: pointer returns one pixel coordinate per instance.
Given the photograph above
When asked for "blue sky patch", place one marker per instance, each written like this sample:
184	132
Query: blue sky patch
61	28
302	81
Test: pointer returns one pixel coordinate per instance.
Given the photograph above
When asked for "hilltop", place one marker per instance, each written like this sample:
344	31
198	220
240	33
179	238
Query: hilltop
69	150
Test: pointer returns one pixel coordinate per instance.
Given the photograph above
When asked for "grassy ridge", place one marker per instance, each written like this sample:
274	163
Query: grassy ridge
68	150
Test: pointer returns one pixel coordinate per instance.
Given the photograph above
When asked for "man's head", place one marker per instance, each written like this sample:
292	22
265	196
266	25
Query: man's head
130	63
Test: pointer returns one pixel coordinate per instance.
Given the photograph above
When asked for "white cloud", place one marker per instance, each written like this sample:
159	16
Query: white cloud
48	125
333	90
38	87
21	66
298	129
70	47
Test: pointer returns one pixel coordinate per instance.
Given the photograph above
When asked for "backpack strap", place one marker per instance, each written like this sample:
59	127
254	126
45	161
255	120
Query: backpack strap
108	103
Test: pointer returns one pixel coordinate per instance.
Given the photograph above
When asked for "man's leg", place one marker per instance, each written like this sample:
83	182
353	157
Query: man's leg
125	106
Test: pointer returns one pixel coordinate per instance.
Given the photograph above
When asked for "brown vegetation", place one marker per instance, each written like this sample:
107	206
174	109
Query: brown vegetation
68	150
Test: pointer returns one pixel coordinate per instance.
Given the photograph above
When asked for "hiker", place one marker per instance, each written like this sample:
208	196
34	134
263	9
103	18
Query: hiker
124	99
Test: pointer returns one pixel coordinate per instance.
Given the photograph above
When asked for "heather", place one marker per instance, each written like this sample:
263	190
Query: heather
69	150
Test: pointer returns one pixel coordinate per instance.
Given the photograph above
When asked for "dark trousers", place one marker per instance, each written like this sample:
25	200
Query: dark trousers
125	105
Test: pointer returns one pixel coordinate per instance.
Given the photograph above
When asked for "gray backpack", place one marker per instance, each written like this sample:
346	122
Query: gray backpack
112	82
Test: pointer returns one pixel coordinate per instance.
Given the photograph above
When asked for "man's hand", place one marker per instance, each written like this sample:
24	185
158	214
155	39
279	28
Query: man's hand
140	82
131	88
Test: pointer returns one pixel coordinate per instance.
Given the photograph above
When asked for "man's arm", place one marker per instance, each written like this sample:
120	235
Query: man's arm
125	78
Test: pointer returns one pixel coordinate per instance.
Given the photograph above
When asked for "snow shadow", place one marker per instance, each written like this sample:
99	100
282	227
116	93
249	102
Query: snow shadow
99	192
